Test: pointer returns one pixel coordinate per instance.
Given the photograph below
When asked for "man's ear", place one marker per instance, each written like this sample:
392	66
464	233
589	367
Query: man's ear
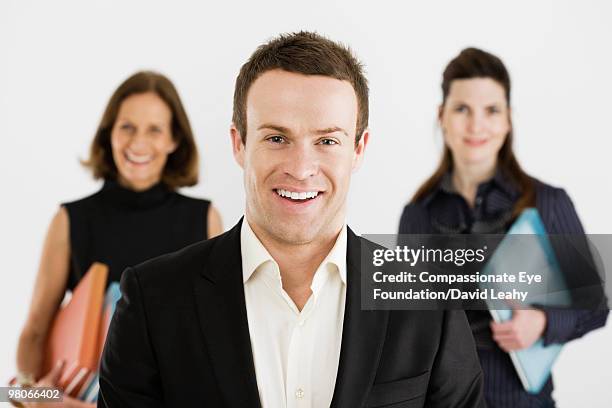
237	145
360	149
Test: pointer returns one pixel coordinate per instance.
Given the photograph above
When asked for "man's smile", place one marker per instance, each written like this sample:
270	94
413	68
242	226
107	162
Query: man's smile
297	195
297	198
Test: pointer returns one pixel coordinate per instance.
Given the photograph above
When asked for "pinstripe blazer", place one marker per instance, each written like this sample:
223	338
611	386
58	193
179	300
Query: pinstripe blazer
445	211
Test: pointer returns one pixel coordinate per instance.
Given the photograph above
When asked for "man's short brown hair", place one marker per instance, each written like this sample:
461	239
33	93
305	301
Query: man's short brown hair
181	168
303	53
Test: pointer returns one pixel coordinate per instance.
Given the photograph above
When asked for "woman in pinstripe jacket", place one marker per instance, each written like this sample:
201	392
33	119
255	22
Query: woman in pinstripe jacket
479	187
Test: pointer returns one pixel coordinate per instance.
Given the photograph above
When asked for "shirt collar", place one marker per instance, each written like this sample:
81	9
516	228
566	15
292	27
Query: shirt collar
495	199
337	255
506	184
499	180
254	254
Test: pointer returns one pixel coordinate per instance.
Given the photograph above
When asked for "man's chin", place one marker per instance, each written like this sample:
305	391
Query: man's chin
295	233
295	237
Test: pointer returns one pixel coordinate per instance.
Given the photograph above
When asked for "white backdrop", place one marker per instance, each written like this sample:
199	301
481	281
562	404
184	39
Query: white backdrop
61	60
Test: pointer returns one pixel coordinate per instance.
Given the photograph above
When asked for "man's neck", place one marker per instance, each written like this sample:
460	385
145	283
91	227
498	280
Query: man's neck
297	262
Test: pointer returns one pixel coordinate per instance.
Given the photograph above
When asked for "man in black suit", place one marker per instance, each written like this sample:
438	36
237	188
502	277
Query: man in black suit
268	314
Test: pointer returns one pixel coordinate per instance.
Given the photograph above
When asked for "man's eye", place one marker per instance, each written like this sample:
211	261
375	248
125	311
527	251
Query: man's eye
276	139
127	126
329	142
461	108
493	110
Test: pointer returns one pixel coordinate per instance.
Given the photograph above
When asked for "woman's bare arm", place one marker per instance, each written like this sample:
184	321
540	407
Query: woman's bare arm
215	225
49	291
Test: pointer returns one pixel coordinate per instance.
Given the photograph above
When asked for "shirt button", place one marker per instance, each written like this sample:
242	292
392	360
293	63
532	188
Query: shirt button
300	323
478	200
299	393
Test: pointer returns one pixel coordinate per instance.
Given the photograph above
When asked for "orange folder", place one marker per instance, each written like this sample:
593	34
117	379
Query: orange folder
75	333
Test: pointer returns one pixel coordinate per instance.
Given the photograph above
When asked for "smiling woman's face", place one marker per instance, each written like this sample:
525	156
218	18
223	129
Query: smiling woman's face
475	120
141	140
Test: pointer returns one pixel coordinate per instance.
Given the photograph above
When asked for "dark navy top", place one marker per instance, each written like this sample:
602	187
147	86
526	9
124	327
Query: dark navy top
446	211
121	227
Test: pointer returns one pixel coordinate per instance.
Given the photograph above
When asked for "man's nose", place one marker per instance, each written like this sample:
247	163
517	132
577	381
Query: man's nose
302	162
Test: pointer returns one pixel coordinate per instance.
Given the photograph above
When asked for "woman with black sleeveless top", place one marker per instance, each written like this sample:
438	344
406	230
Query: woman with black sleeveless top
144	150
479	187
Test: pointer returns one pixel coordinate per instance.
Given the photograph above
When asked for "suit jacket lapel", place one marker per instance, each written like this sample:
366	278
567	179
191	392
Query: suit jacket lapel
363	336
221	309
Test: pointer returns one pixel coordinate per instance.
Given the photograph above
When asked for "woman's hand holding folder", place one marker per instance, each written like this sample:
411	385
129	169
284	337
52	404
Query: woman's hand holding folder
50	380
520	332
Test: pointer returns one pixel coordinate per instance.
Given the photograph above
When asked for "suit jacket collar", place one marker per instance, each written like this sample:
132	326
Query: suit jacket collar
221	308
219	292
363	337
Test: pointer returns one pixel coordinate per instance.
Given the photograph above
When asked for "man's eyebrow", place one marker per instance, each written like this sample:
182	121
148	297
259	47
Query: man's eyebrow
277	128
285	130
329	130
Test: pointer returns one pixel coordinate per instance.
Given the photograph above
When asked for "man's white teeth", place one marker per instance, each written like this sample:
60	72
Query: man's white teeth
294	195
136	158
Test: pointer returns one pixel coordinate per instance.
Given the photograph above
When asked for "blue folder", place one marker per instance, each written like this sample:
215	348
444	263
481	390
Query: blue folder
534	364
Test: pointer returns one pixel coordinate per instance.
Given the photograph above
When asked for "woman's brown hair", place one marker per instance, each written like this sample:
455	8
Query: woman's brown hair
475	63
181	168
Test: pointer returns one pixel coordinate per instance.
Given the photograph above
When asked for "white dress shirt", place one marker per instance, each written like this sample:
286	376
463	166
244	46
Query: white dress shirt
296	353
